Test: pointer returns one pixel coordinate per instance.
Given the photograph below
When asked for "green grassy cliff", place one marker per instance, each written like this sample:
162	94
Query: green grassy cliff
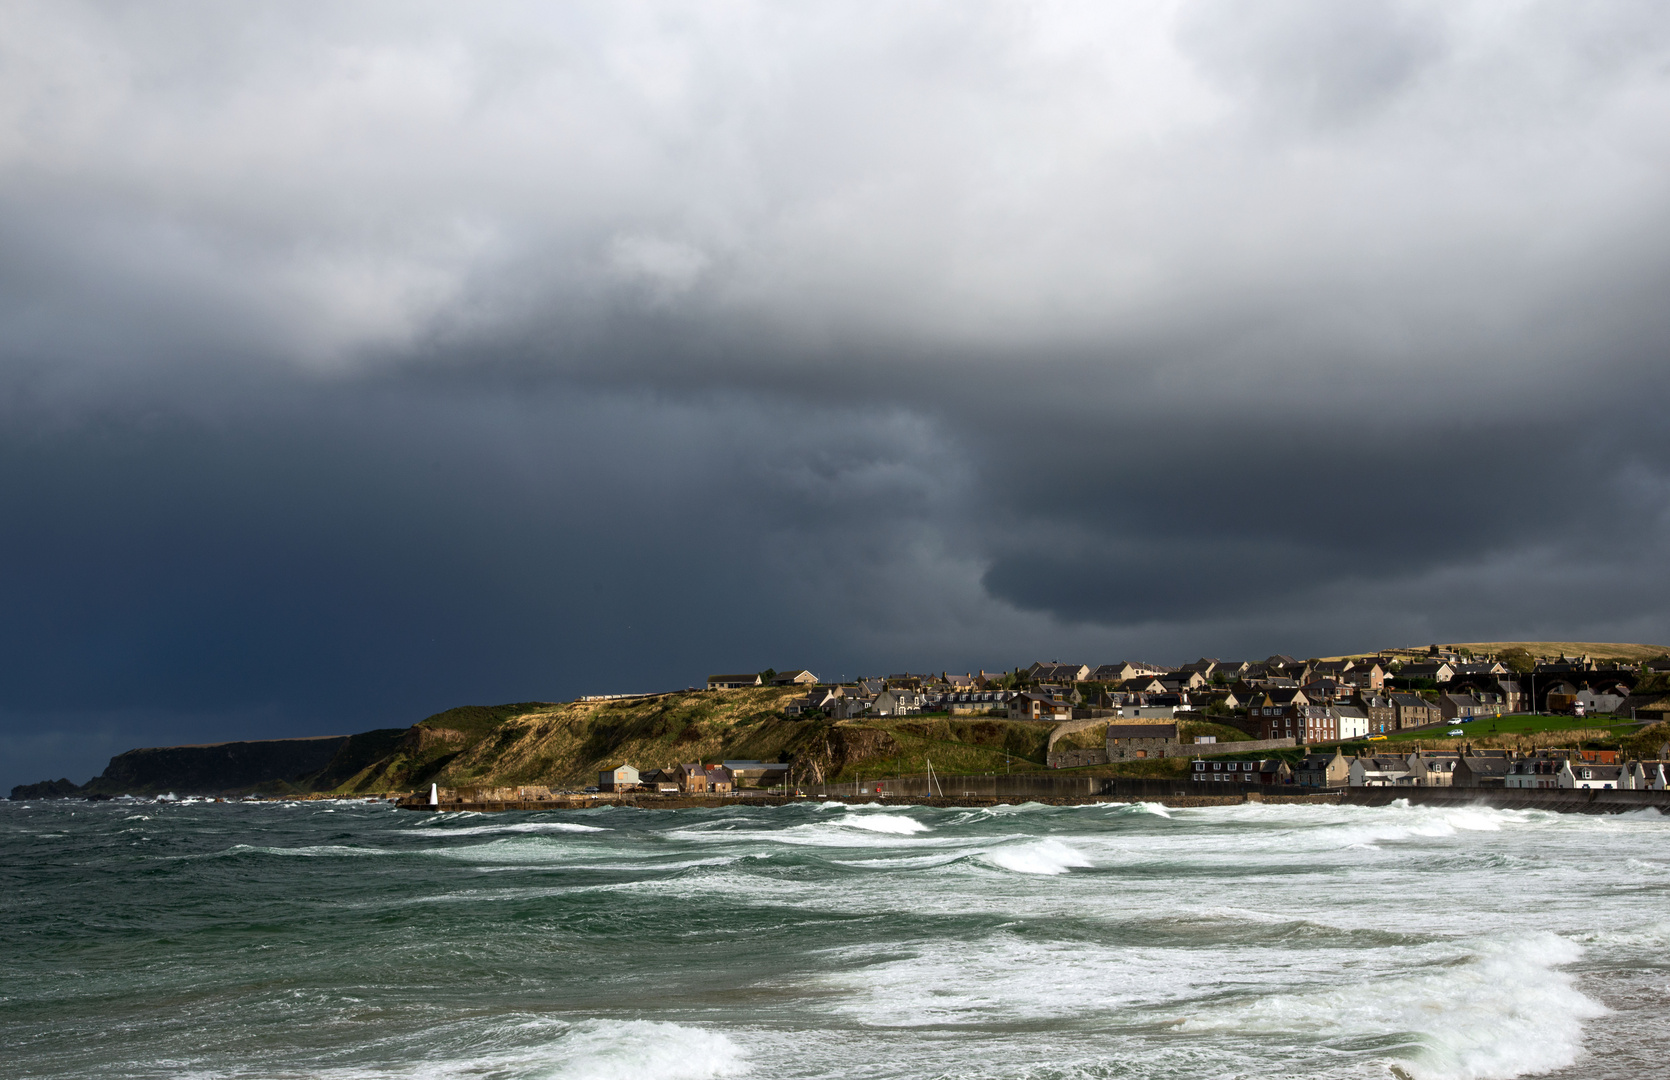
567	745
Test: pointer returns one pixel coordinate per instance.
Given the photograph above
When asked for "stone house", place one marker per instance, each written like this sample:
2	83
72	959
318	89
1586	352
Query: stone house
1126	741
1323	771
1479	771
1414	711
1303	723
1382	718
692	778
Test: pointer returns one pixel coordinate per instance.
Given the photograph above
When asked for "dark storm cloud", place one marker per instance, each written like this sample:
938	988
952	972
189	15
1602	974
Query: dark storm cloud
358	362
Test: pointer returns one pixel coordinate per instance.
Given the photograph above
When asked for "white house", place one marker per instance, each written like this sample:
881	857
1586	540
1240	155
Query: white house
897	703
1386	772
1586	776
1148	712
1352	722
620	778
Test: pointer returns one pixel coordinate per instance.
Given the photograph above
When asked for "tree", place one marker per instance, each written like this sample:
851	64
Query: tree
1519	661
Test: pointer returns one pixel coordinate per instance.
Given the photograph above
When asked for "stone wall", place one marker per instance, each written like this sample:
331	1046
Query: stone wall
1192	750
1077	757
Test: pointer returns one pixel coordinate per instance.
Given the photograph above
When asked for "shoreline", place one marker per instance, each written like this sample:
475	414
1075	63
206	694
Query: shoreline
1574	801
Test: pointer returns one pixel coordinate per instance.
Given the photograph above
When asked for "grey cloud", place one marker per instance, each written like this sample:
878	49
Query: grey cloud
357	362
1323	61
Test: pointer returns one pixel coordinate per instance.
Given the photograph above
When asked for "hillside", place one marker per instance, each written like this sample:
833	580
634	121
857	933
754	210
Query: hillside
568	745
1600	650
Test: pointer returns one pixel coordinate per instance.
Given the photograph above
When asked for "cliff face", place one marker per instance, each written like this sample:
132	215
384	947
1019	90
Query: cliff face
219	768
47	789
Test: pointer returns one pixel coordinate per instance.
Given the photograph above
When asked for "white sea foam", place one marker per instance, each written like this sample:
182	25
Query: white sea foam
1155	809
847	832
1501	1009
997	978
897	824
1048	856
589	1050
311	851
517	827
629	1049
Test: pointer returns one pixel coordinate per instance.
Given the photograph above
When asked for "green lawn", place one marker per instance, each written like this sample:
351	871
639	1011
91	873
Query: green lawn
1519	724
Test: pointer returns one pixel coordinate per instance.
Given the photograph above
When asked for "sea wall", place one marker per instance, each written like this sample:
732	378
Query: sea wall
1570	801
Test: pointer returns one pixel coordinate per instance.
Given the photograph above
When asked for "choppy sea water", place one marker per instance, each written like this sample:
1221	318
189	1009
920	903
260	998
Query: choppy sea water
350	941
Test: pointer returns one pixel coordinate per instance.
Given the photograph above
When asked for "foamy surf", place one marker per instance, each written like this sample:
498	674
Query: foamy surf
588	1050
1074	943
897	824
1487	1010
1048	857
518	827
633	1049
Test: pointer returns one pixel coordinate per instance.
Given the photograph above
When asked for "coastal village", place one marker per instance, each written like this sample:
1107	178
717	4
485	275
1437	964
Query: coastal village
1589	721
1327	723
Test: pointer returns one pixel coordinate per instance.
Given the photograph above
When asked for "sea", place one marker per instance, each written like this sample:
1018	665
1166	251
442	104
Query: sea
352	941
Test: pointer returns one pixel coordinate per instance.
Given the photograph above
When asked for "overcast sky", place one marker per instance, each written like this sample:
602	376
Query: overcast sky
359	361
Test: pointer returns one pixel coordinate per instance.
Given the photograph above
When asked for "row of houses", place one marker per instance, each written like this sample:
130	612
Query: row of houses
1548	769
694	778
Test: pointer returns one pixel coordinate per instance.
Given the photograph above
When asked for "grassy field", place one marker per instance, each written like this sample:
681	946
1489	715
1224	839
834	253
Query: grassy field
1518	724
1633	653
1610	650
